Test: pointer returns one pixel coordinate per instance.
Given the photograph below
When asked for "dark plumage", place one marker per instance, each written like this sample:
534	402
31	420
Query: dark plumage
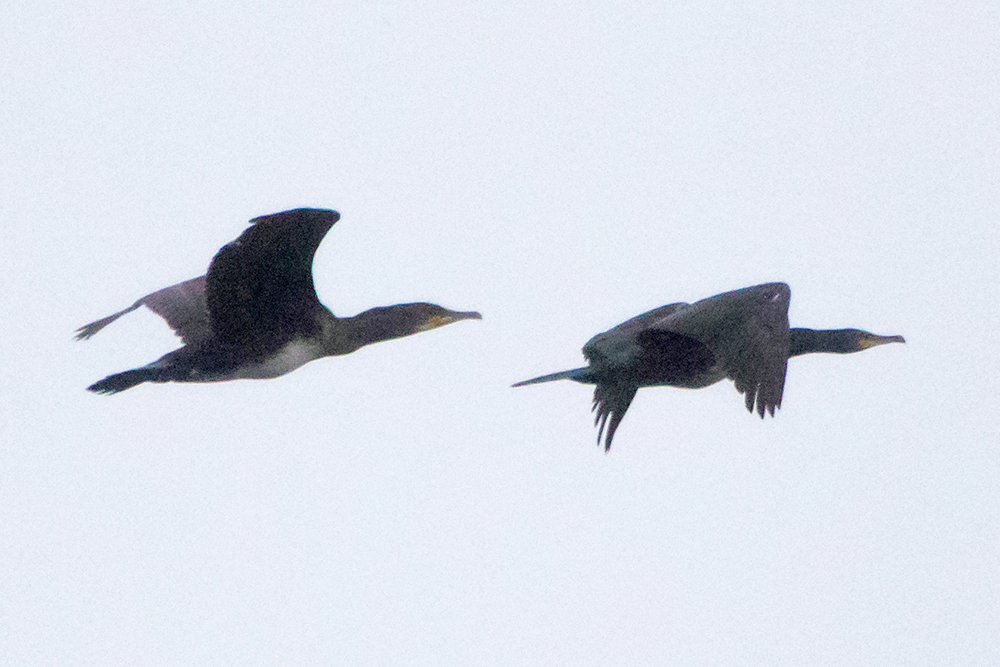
742	335
255	314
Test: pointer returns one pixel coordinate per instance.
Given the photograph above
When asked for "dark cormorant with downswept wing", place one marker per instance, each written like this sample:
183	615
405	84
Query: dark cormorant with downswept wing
742	335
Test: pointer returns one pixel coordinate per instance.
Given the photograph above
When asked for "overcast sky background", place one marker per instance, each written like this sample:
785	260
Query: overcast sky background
559	167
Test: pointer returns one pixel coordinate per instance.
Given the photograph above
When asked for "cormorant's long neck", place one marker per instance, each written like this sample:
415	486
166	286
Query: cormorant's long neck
374	326
807	341
343	336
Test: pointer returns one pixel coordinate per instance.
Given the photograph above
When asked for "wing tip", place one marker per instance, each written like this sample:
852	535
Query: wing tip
85	332
327	215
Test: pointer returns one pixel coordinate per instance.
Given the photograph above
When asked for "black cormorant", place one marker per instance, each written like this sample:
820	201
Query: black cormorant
742	335
255	314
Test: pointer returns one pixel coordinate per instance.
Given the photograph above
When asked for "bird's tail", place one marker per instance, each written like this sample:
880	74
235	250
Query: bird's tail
126	380
584	375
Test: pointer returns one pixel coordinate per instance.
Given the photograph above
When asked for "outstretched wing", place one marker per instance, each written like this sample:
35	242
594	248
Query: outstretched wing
259	287
182	306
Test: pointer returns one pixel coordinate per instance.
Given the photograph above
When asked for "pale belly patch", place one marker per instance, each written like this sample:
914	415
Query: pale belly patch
294	354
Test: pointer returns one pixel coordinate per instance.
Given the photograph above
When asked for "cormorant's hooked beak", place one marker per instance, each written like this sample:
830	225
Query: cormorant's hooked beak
435	321
867	340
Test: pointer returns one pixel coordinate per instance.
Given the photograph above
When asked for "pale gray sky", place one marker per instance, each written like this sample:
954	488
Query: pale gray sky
560	169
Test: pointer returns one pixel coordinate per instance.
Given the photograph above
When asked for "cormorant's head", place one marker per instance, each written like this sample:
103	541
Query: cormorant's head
865	339
430	316
404	319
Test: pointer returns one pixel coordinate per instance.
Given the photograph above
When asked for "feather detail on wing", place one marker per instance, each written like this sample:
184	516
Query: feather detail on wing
182	305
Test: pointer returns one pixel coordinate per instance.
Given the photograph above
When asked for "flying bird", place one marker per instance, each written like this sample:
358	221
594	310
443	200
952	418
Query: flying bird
742	335
255	314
